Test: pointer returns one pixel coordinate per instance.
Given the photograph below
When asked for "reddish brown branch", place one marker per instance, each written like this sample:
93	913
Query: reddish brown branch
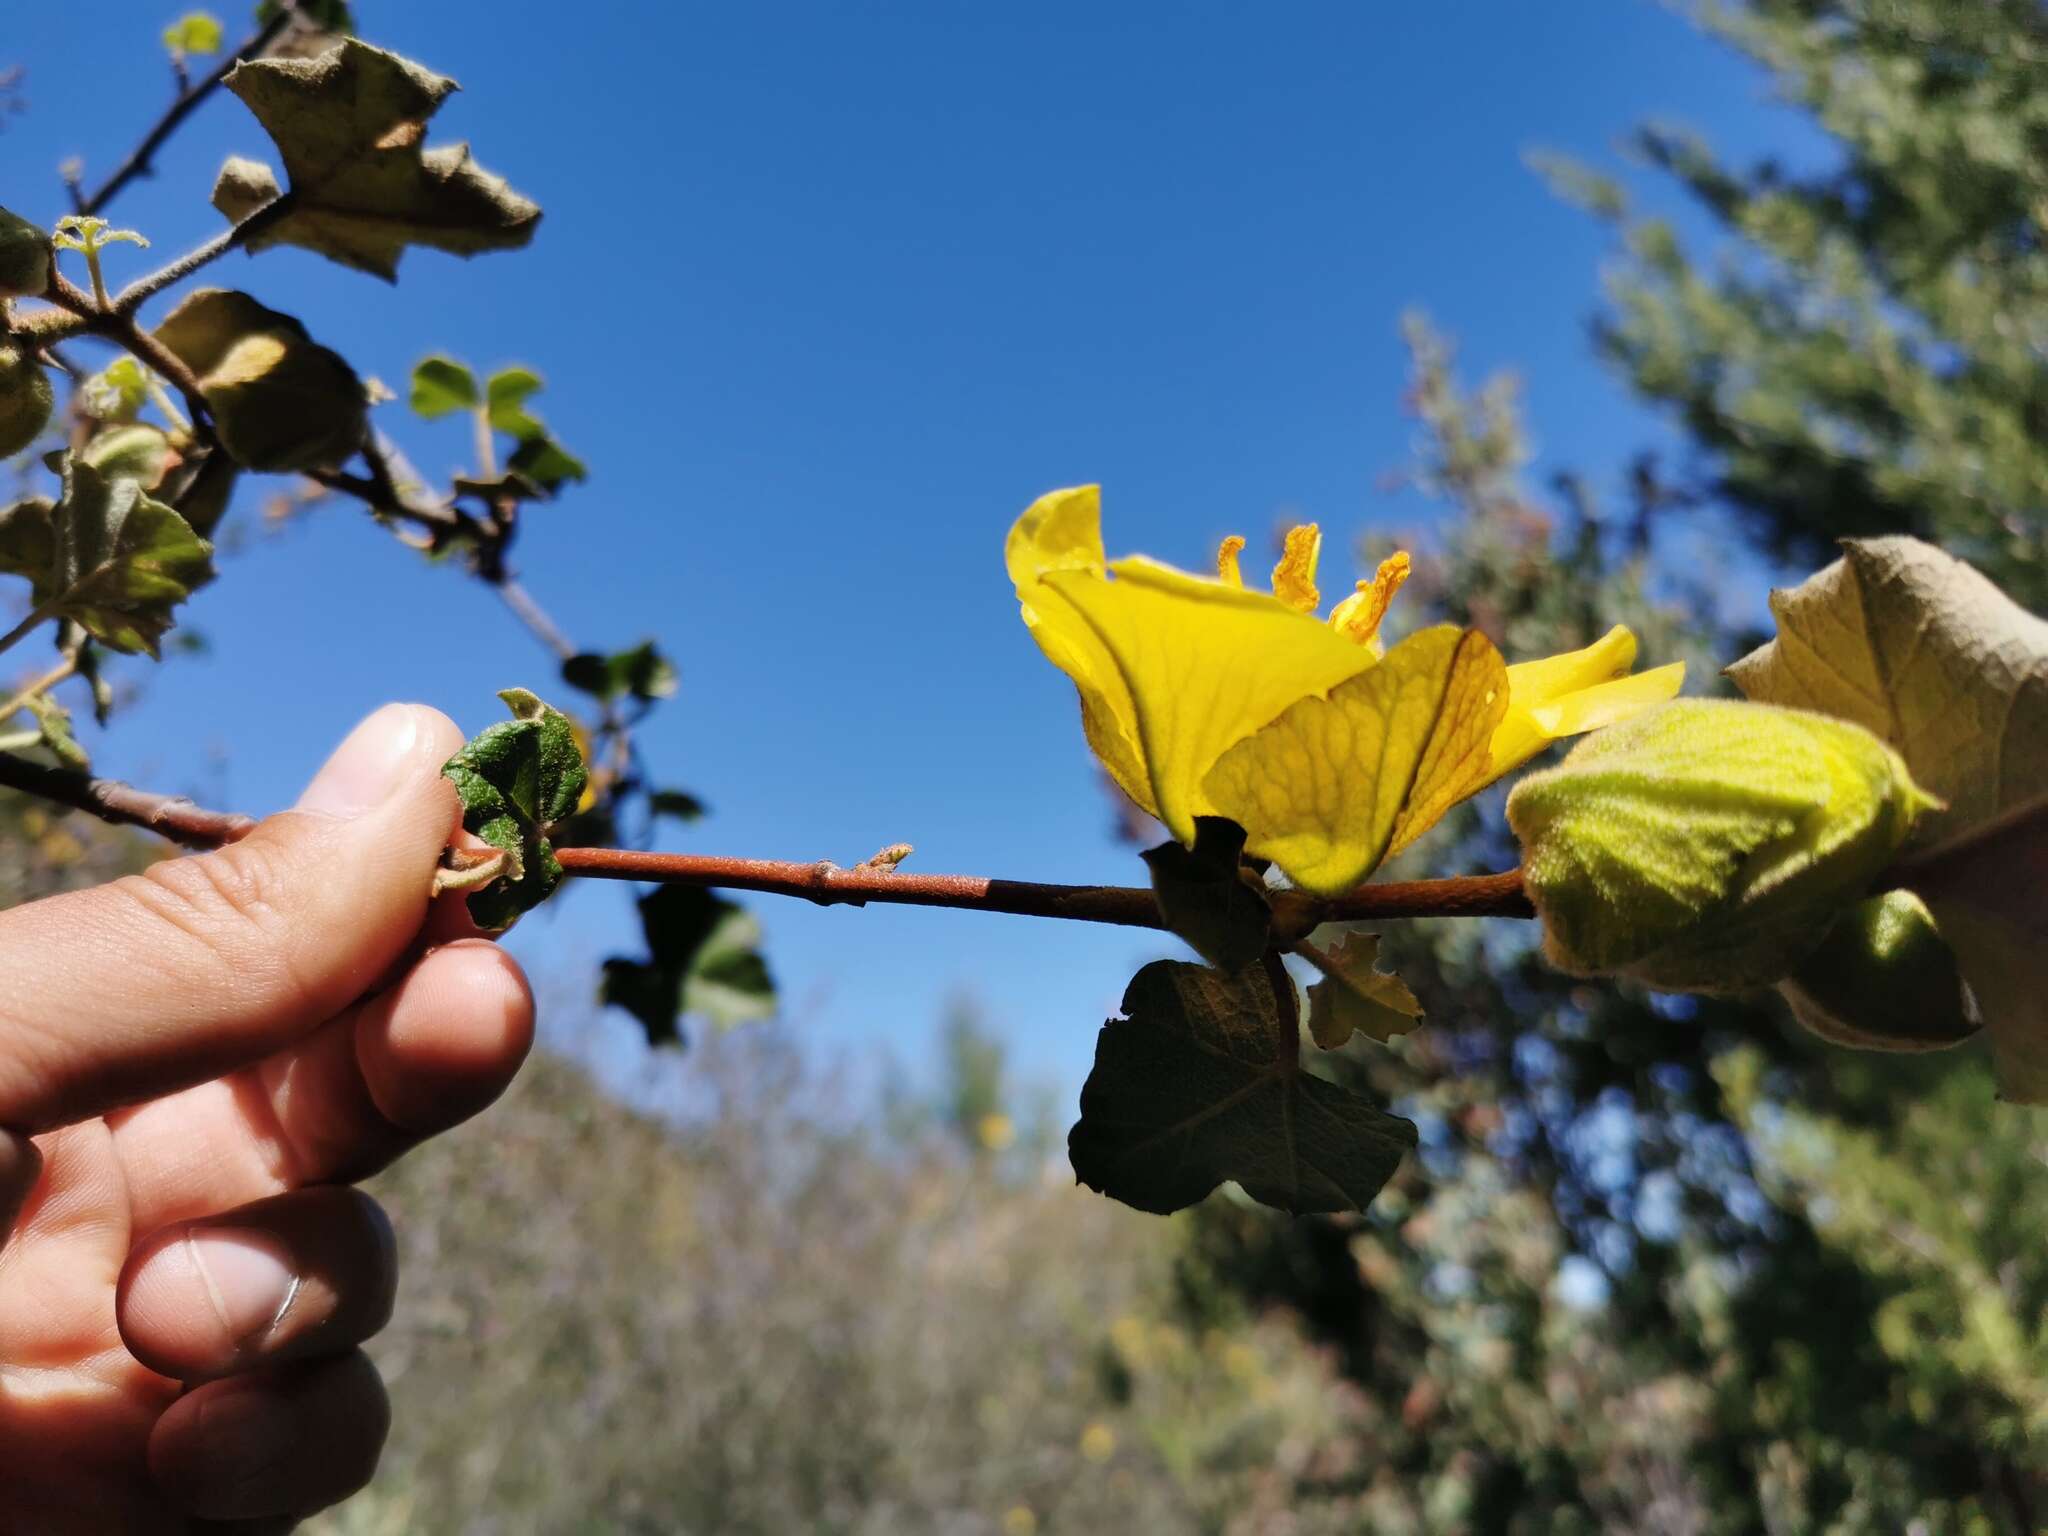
168	816
1129	906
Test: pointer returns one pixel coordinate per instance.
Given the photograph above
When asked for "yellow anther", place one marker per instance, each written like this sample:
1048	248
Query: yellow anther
1294	578
1359	614
1226	561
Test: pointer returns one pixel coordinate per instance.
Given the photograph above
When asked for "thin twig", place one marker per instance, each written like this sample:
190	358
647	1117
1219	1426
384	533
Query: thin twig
534	617
41	685
129	299
169	816
140	162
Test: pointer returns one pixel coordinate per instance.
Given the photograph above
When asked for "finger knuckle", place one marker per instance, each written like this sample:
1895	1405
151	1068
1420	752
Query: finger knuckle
231	907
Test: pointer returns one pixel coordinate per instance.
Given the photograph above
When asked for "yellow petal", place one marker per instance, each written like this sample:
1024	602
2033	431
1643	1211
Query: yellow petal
1359	615
1203	665
1062	531
1325	789
1226	561
1578	691
1294	578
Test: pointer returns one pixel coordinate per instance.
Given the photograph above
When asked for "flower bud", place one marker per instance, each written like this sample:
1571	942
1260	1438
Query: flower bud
1708	845
1884	979
24	257
25	399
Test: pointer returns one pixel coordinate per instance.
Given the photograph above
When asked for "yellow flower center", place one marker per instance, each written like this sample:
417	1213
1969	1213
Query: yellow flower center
1294	582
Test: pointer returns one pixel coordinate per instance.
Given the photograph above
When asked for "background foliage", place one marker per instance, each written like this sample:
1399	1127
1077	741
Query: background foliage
1659	1265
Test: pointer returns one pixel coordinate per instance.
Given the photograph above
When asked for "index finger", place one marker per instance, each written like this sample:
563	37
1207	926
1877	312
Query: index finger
202	965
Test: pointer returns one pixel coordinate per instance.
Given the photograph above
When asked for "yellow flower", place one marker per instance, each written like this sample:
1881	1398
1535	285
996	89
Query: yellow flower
1203	697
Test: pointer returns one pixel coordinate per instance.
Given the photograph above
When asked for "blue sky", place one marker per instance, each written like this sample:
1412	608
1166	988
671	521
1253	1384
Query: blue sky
825	294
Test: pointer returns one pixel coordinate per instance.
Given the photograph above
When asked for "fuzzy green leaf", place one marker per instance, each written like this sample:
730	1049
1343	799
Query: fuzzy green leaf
1208	898
115	394
138	453
1199	1083
441	385
350	126
107	556
703	959
517	779
1355	998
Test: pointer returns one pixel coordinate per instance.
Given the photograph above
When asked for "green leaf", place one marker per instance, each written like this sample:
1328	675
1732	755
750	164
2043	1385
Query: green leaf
1208	897
115	394
138	453
547	463
506	394
1707	845
703	960
108	556
193	32
1200	1082
54	721
643	673
1914	645
441	385
676	804
350	126
279	400
1354	998
515	780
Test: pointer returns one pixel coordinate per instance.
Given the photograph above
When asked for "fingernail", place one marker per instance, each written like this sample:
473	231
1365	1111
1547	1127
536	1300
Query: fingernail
248	1277
365	769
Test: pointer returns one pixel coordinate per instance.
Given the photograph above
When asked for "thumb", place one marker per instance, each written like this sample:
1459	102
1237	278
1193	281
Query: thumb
201	965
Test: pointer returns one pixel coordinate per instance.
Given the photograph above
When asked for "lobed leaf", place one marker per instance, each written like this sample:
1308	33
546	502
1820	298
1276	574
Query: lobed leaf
350	126
1356	998
441	385
1199	1082
1925	652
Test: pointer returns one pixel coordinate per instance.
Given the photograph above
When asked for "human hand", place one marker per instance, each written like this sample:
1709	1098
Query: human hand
194	1064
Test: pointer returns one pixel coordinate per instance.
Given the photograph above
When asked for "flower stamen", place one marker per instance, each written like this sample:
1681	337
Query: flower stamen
1359	615
1294	578
1226	561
